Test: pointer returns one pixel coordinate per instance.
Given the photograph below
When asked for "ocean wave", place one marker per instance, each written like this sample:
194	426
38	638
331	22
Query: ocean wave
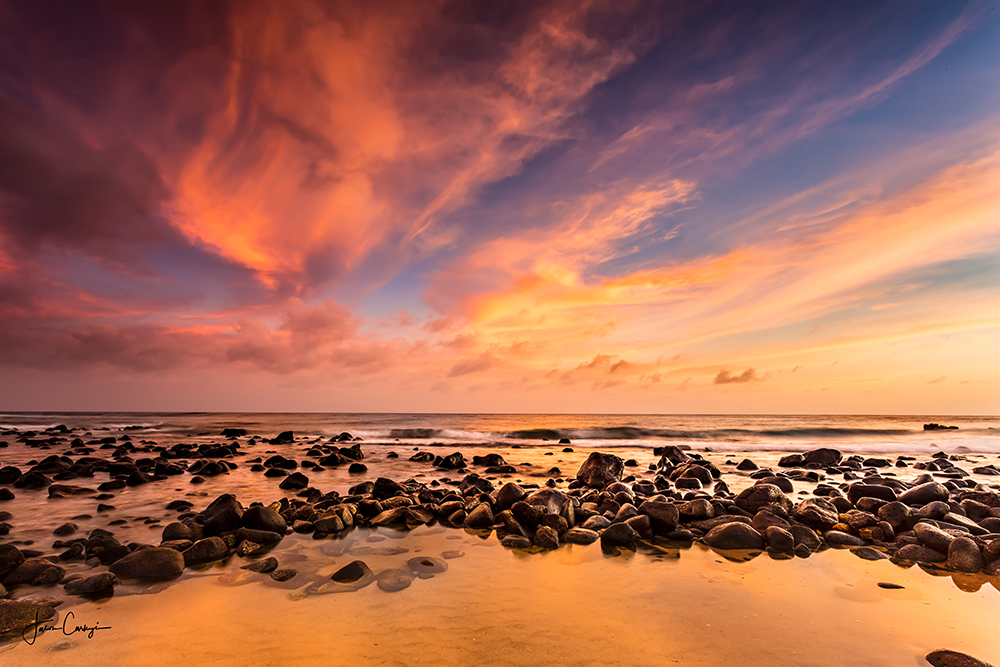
724	435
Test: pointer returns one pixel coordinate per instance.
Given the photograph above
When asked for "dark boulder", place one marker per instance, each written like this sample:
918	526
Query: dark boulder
546	537
222	515
203	551
856	492
263	566
355	572
945	658
10	557
395	579
509	494
619	535
177	531
933	537
662	515
580	536
294	482
924	494
964	555
600	469
838	538
92	585
18	615
453	461
918	553
34	571
481	517
754	498
824	456
157	562
259	517
817	513
734	535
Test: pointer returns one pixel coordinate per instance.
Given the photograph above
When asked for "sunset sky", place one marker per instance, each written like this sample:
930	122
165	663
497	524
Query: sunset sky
618	206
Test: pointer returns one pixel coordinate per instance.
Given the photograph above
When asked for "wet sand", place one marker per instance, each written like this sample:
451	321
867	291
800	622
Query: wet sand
665	604
567	607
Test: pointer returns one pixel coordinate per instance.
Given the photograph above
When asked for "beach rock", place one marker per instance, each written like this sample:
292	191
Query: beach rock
284	575
671	454
697	509
259	517
10	557
662	515
918	553
552	501
754	498
65	529
264	565
65	491
933	537
283	438
868	553
394	580
34	571
203	551
92	585
546	537
528	515
158	562
619	535
964	555
222	515
735	535
600	469
946	658
838	538
32	480
176	531
992	551
424	566
333	523
779	539
294	482
925	493
452	462
897	514
515	542
824	456
791	461
580	536
258	536
936	510
356	572
805	537
246	548
18	615
480	517
766	518
856	492
509	494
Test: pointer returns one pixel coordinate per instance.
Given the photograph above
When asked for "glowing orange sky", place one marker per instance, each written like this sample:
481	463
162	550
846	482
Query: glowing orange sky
458	206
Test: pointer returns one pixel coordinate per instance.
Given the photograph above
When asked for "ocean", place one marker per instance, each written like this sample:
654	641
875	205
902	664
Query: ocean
860	434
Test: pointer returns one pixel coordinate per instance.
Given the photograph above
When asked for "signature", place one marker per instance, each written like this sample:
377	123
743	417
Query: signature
66	630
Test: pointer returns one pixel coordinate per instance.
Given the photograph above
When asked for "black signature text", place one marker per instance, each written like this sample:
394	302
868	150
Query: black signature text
37	629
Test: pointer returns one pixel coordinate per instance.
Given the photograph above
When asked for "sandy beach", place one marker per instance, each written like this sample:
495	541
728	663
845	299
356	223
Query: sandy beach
441	589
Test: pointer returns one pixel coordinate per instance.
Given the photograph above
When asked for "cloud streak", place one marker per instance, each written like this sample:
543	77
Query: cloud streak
610	200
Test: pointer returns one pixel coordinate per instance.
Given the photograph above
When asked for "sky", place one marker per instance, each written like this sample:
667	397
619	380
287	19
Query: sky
464	206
